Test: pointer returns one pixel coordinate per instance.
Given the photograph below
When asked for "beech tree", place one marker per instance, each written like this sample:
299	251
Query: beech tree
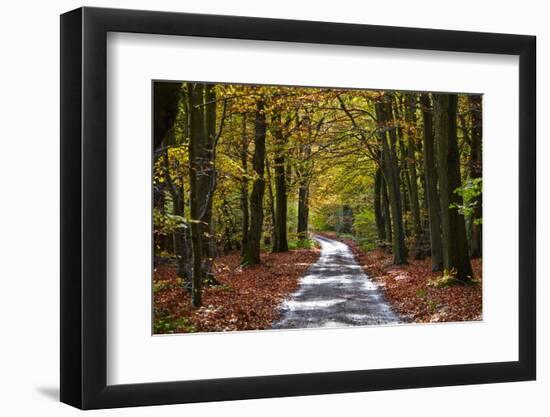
195	94
252	251
244	186
378	214
432	194
410	164
388	139
454	244
281	241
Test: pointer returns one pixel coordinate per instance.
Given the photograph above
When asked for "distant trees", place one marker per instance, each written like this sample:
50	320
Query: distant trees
253	168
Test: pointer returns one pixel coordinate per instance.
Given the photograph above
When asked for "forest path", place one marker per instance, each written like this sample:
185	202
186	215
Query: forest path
335	292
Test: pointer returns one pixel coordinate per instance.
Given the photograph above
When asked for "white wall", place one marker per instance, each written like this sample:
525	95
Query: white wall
29	176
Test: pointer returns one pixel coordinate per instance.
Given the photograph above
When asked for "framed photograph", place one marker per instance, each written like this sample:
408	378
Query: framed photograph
258	208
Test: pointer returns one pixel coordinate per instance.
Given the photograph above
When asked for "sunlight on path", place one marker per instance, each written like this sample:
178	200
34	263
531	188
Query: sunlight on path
335	292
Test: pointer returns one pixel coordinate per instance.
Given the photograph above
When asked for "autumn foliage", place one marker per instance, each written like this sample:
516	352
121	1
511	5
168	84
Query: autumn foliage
240	170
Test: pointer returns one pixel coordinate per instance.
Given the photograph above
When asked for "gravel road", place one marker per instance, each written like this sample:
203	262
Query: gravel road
335	292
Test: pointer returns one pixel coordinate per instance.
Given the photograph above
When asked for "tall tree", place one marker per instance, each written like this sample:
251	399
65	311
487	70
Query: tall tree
207	179
410	133
195	94
386	210
244	186
252	251
303	195
170	109
430	175
398	119
281	240
303	209
455	245
378	216
388	138
303	176
273	238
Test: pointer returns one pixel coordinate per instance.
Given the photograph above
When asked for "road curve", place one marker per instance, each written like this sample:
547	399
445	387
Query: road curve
335	292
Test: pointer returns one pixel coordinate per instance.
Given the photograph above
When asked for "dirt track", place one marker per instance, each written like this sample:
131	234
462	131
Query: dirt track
335	292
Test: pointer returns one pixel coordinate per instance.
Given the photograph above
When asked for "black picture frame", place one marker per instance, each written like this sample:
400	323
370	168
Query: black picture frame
84	207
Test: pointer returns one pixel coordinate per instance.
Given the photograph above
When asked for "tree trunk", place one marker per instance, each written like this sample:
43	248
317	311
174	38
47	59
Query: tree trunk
274	240
195	97
181	246
252	251
455	245
165	109
303	209
303	192
378	206
207	180
411	167
281	244
475	168
391	174
396	114
386	210
430	175
244	188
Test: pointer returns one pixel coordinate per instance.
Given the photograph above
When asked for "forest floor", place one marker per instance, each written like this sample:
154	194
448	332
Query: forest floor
410	290
278	292
246	299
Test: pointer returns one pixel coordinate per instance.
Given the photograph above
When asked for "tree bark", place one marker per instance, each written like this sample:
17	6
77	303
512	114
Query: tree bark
207	180
378	216
273	239
303	209
281	241
244	187
432	195
475	168
411	167
455	245
252	251
196	126
303	196
386	210
165	109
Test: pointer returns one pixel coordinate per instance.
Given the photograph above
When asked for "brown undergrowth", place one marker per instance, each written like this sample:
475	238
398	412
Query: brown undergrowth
246	299
410	290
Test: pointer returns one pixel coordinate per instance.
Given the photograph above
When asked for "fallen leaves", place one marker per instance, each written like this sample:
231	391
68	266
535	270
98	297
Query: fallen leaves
246	299
410	290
